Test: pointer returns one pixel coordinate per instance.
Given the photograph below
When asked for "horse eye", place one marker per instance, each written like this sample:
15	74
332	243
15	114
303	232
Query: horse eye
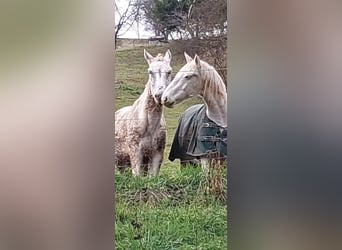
150	72
169	72
188	77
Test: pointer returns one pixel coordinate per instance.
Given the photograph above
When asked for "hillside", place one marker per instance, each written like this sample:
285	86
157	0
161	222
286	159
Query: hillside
177	210
130	79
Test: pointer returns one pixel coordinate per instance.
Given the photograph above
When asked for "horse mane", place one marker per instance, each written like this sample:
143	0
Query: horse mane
159	57
143	95
213	82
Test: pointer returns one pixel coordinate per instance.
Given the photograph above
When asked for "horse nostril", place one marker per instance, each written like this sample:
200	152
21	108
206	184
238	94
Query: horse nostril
165	99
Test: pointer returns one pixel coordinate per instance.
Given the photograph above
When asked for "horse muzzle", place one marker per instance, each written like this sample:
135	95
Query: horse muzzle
167	103
158	98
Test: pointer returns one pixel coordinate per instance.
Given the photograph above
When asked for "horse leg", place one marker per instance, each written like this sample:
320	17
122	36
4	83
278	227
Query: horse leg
186	164
205	165
145	165
189	162
156	161
136	161
183	164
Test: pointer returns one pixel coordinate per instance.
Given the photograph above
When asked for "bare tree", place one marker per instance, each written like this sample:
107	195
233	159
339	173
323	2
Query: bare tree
207	18
201	24
126	14
151	22
165	17
207	23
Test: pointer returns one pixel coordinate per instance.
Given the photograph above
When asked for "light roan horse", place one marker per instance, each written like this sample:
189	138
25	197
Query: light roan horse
198	78
140	129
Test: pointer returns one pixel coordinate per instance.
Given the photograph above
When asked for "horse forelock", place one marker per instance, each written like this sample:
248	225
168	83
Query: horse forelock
159	64
159	57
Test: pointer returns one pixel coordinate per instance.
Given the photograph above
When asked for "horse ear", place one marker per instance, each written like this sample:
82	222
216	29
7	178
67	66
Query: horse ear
148	56
197	61
168	56
187	57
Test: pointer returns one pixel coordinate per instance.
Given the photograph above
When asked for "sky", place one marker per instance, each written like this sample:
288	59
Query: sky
133	32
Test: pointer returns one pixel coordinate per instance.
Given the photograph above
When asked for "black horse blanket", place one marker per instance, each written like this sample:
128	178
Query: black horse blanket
197	136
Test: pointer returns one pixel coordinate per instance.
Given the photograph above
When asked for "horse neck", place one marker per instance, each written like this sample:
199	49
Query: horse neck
147	109
214	96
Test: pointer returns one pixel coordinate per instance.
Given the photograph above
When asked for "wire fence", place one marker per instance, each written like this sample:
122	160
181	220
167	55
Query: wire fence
193	160
127	71
196	161
212	154
163	128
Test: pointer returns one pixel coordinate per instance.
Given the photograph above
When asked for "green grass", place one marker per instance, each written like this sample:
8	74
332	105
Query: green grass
178	209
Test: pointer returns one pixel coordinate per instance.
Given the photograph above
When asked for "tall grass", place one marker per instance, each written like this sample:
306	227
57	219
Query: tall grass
170	212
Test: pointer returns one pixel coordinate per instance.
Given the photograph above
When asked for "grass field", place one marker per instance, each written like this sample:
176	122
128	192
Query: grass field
177	210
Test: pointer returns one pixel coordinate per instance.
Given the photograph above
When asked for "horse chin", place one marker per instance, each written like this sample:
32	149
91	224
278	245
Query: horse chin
170	104
158	100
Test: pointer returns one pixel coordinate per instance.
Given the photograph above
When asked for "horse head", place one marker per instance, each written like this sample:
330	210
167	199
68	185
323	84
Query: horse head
159	73
186	84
